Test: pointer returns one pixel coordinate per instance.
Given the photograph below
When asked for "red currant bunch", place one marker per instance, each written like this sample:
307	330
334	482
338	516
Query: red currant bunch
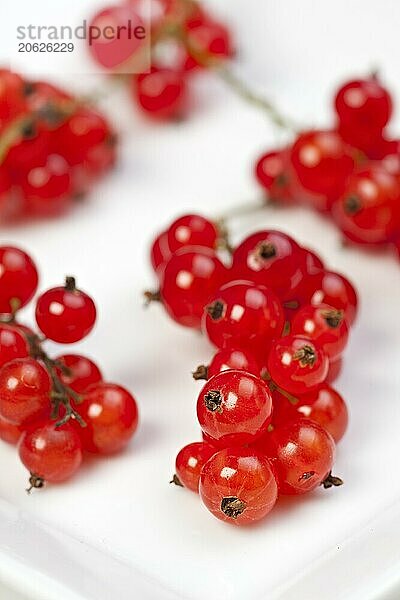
351	171
52	147
280	321
185	38
55	409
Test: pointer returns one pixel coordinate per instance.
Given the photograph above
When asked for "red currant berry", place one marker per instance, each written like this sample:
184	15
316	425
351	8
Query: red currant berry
192	230
269	258
302	292
47	186
337	291
325	325
322	162
302	454
237	485
65	314
18	279
9	432
297	364
111	416
363	104
335	368
208	41
369	210
161	94
243	315
234	407
25	388
191	277
390	156
77	372
240	360
273	172
50	453
189	463
160	252
326	407
12	344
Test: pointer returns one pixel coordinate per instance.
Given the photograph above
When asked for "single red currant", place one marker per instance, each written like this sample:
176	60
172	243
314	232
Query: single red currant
273	172
368	212
25	388
240	360
191	277
302	454
302	292
363	104
237	485
322	162
18	279
326	407
77	372
51	454
47	185
243	315
297	364
269	258
234	407
161	94
65	314
189	463
337	291
9	432
12	344
111	416
208	41
325	325
192	230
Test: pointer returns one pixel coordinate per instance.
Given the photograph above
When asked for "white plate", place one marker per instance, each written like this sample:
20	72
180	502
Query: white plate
118	530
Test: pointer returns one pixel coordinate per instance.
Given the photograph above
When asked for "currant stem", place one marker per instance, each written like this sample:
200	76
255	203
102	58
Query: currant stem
274	387
152	297
175	479
201	373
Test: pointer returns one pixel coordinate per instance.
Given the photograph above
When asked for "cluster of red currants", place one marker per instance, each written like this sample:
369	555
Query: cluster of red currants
52	147
184	38
280	321
351	172
54	409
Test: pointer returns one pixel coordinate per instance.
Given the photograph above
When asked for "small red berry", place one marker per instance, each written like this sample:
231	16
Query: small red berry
208	41
237	485
192	230
18	279
12	344
77	372
274	173
363	104
234	407
325	406
189	463
225	360
65	314
161	94
337	291
47	185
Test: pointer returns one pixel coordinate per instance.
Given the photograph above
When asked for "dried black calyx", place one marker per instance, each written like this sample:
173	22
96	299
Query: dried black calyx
232	506
352	205
266	250
306	476
333	318
70	284
35	482
28	130
306	356
200	373
175	480
331	481
216	310
213	401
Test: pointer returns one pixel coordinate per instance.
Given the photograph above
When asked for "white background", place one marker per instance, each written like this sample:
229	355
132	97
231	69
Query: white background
296	52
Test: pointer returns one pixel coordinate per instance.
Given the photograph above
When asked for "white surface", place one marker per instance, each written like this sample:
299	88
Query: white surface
118	530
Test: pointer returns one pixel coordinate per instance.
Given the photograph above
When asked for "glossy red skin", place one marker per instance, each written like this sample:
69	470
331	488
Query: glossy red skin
280	272
9	432
18	277
305	288
244	411
326	407
225	360
50	452
65	316
337	291
25	387
335	368
377	217
297	449
190	279
12	100
12	344
190	461
273	172
47	185
322	162
242	473
211	37
83	372
288	373
160	252
161	94
84	131
314	322
389	155
363	104
28	151
192	230
111	415
252	316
